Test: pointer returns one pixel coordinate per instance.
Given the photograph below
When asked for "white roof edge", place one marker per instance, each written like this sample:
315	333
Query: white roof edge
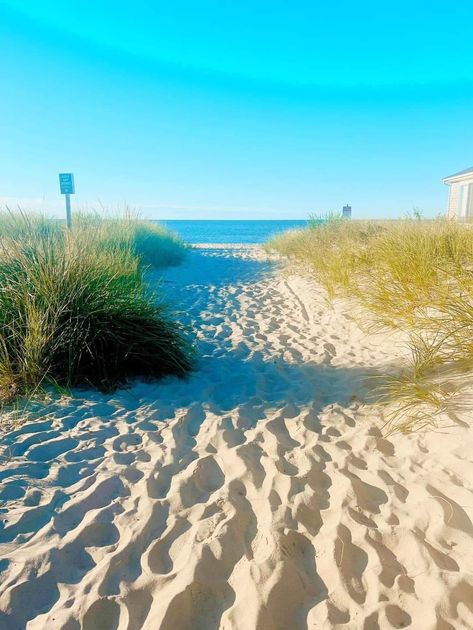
456	177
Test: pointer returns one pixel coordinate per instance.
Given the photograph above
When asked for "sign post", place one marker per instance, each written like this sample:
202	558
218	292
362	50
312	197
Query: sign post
66	184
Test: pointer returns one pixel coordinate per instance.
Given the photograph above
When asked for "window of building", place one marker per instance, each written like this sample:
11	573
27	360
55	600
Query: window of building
465	201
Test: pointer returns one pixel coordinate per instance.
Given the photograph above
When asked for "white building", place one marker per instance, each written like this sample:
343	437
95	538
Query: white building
460	195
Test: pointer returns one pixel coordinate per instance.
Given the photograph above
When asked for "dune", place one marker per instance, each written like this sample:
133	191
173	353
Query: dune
258	493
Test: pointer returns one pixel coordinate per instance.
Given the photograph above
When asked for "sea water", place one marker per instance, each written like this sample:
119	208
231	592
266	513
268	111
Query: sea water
231	231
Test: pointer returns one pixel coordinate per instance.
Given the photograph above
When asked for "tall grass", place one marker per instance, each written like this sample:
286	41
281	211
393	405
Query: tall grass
75	309
410	275
155	245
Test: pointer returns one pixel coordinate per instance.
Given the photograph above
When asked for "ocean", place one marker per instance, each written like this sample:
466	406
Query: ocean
230	231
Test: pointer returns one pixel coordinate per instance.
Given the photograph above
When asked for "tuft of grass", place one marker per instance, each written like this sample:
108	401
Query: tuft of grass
155	245
75	309
412	275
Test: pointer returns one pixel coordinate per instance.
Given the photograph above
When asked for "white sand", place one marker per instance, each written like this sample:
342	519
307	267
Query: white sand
258	493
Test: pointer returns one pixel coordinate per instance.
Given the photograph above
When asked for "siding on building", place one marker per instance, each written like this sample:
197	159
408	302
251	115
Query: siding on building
453	201
459	184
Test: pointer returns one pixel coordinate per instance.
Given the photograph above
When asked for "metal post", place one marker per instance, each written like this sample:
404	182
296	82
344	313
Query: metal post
68	211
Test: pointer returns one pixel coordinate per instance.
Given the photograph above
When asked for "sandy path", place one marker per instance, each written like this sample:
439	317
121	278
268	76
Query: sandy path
258	493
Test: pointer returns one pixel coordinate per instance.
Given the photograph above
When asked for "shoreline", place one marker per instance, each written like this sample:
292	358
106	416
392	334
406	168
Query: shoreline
258	492
226	245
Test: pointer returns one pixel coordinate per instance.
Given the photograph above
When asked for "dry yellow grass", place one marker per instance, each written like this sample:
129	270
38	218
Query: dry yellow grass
411	275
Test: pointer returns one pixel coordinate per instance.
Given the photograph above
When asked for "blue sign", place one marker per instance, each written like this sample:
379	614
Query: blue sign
66	183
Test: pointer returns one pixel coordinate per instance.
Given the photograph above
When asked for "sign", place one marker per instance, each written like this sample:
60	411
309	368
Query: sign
66	183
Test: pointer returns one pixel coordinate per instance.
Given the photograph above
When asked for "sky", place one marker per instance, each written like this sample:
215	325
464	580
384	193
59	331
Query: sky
225	110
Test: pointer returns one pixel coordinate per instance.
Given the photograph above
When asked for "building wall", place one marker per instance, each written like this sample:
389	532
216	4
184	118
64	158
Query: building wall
461	194
453	201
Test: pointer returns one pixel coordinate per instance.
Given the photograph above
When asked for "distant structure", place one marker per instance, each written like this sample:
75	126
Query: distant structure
346	212
460	195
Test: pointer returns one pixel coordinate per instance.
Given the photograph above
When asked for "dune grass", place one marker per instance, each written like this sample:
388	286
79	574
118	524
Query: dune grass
155	245
411	275
75	309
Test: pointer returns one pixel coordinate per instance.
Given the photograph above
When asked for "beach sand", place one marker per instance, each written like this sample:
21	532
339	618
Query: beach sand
258	493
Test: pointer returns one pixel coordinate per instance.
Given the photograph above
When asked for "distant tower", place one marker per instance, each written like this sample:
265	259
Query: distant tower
346	212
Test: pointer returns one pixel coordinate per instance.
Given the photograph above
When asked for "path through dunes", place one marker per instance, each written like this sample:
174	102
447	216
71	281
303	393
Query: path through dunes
256	494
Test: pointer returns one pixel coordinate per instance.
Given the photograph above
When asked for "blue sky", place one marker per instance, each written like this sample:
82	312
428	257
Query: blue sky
219	109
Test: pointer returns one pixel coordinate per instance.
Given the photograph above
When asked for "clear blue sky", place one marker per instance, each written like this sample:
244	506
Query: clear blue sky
248	109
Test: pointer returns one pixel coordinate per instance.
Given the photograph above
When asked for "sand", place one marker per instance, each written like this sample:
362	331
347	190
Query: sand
259	493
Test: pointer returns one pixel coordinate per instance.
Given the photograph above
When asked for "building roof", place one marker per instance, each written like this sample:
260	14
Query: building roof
460	174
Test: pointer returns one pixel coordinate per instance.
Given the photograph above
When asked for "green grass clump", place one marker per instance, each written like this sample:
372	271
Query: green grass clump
75	309
155	245
412	275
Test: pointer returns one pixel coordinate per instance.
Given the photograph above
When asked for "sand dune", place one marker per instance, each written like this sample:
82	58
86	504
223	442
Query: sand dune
257	494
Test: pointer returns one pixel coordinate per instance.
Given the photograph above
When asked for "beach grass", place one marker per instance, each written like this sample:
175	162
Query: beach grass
75	308
411	275
155	245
